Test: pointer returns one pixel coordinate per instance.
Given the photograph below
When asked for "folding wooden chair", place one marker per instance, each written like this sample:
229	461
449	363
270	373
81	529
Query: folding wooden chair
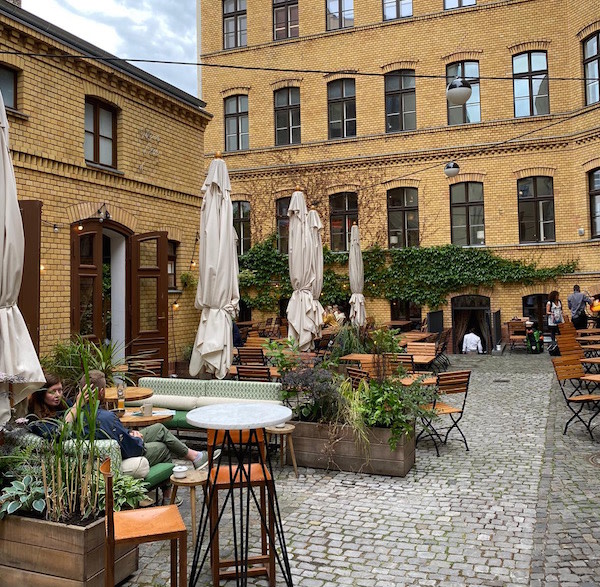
253	373
393	361
251	356
356	376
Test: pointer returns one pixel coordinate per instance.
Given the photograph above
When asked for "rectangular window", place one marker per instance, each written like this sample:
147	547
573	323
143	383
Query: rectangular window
340	14
342	108
283	224
471	111
241	223
100	144
530	84
536	209
449	4
393	9
466	214
594	191
172	265
8	86
285	19
403	218
400	101
343	214
591	67
236	123
287	116
234	24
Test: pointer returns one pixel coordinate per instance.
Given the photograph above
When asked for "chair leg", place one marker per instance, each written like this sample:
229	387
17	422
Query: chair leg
109	564
183	559
455	425
174	562
430	431
214	544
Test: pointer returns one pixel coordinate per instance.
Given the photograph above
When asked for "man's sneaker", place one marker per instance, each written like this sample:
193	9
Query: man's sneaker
201	461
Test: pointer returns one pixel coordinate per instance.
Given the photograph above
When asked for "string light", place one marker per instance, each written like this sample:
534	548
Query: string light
193	260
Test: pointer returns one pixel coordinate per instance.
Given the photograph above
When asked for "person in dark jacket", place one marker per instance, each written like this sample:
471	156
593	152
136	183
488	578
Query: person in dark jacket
47	405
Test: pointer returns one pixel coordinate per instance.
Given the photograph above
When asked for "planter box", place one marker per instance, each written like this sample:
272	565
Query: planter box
38	553
315	448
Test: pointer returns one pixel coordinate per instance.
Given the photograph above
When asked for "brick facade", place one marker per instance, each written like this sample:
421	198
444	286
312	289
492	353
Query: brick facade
497	151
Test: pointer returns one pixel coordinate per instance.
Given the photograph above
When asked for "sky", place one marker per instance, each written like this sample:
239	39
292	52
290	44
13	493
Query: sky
142	29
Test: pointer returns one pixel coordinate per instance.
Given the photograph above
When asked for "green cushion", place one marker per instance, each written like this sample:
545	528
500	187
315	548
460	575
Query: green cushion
158	474
179	421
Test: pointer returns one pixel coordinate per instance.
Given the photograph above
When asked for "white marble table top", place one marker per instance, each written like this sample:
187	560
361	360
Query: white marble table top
238	416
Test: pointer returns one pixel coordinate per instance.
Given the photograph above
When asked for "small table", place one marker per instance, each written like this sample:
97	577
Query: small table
132	420
230	417
192	479
131	393
401	324
284	431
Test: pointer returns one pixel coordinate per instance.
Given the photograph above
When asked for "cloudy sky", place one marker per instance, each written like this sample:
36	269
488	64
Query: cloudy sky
142	29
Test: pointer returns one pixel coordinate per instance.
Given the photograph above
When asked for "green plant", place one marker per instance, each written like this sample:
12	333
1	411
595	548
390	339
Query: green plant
383	340
186	351
26	495
188	279
284	355
127	491
349	339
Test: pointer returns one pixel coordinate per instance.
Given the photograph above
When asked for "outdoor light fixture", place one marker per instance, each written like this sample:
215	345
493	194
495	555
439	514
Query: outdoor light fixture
103	213
581	231
55	228
458	91
80	227
42	268
175	305
451	169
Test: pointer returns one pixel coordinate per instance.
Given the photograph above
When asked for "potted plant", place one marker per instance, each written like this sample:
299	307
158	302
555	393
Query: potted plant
369	429
51	509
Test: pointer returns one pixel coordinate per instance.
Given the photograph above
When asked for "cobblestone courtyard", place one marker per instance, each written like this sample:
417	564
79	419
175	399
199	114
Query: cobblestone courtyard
520	508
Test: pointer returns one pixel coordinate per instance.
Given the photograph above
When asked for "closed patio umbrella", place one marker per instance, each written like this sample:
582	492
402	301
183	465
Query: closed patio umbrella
218	293
300	310
316	226
19	363
357	280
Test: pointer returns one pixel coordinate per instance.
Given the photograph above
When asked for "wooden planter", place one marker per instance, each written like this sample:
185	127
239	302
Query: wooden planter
315	447
38	553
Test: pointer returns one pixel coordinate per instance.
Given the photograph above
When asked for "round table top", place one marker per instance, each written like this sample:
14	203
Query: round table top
131	419
131	393
193	477
285	429
238	416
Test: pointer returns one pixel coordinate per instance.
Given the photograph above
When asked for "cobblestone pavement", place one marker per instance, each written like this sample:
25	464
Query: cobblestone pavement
520	508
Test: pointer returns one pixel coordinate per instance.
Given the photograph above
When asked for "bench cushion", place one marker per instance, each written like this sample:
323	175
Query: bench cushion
159	474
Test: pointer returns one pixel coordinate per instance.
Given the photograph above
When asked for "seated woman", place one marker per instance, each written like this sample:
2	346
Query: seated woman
47	404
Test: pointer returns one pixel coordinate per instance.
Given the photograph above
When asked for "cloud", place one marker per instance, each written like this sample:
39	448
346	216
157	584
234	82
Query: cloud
163	30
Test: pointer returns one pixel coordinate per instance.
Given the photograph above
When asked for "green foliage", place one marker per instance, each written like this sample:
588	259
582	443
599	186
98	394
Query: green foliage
186	351
127	492
423	275
349	339
383	340
188	279
284	355
26	495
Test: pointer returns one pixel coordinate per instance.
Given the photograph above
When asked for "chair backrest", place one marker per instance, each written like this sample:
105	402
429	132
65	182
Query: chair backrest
516	328
253	373
568	344
427	349
108	500
251	356
568	367
453	382
215	440
144	367
565	327
255	342
356	376
392	361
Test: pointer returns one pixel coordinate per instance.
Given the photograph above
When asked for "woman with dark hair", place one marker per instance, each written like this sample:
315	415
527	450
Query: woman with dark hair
47	404
554	313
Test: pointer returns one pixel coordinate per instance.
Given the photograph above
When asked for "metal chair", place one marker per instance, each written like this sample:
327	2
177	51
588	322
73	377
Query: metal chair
141	526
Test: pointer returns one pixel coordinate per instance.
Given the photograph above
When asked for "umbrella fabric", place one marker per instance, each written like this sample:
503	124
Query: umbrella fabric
316	226
357	280
300	310
218	293
18	359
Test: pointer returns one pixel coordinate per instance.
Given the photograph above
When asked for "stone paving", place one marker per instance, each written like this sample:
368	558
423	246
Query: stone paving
520	508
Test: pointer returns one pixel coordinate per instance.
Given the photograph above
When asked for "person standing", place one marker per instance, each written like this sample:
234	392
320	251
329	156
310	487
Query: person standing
472	343
554	313
576	302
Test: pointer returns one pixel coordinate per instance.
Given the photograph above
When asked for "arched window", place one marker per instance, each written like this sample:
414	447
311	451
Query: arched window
236	123
536	209
283	223
343	213
287	116
341	101
594	188
466	213
400	101
591	67
403	218
471	111
530	84
241	223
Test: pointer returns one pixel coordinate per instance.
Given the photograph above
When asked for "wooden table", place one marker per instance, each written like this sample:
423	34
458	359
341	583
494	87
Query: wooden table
273	370
367	362
192	479
585	340
417	336
131	421
131	393
588	331
409	379
401	324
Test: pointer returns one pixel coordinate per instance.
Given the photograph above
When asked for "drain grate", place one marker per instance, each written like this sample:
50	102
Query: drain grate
501	381
595	459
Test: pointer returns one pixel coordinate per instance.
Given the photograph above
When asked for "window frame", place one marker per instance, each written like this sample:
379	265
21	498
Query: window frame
238	115
241	224
344	100
289	109
98	104
348	216
403	74
172	246
468	206
586	62
290	28
537	200
235	16
530	75
397	4
594	194
340	13
403	209
461	69
460	4
15	74
281	220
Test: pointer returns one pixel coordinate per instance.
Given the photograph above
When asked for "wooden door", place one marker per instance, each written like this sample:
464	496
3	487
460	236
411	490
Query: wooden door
149	305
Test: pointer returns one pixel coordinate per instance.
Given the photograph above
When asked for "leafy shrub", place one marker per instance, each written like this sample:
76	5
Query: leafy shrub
127	491
26	495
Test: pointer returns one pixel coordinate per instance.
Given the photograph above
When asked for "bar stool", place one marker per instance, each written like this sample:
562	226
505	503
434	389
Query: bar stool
284	432
192	479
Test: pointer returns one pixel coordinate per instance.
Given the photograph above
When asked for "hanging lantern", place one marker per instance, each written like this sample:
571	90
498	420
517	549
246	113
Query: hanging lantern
458	91
451	169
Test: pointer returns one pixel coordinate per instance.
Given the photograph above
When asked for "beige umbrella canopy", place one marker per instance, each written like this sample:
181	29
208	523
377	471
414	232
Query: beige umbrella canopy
358	315
19	363
316	226
218	293
300	311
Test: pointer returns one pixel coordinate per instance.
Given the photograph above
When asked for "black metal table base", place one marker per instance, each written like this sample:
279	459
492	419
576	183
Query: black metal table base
234	455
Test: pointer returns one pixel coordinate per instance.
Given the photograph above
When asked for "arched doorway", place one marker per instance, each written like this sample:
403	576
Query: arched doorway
471	311
119	287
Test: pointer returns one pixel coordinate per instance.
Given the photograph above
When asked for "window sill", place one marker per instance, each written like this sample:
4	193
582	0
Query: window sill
105	168
16	113
175	291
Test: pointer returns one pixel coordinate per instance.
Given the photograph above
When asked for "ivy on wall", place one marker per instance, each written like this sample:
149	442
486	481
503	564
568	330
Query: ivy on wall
423	275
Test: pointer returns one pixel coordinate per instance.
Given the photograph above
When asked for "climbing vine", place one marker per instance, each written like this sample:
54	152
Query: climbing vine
423	275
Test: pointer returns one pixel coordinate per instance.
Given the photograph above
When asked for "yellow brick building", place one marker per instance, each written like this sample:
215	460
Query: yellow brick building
349	103
104	154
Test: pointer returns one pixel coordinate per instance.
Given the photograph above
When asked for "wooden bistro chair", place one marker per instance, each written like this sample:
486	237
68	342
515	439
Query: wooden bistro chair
226	476
393	361
253	373
251	356
356	376
449	383
571	379
140	526
568	346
